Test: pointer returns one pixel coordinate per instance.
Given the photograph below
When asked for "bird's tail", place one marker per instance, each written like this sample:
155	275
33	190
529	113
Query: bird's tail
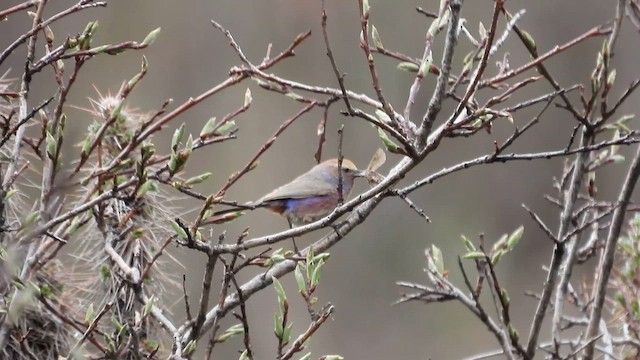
232	213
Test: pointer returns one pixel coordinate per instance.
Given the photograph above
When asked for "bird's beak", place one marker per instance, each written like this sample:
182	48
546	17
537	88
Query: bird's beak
360	173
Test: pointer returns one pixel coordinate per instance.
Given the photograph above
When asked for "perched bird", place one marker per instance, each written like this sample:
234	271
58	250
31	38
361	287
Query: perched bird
310	196
314	194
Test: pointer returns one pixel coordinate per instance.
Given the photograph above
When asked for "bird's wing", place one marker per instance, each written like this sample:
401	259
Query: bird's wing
305	185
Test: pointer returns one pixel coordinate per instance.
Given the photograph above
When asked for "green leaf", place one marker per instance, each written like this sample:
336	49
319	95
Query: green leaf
515	237
198	179
151	37
89	314
376	38
315	276
148	306
468	244
310	262
482	31
148	185
302	284
247	98
390	144
230	332
225	128
474	255
501	243
117	324
408	66
179	230
437	259
286	335
611	78
177	137
278	329
190	348
365	7
617	158
86	145
52	146
244	355
10	194
495	258
424	67
282	297
528	40
208	127
332	357
382	116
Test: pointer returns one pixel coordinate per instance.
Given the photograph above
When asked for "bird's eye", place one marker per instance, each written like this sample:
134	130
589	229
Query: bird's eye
347	170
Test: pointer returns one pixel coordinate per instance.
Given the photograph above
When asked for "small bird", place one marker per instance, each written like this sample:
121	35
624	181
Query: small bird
314	194
310	196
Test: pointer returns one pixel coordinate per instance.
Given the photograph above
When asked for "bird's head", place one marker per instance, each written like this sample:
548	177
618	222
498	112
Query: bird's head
348	168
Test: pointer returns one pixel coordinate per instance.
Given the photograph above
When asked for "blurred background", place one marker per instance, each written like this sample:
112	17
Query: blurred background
359	279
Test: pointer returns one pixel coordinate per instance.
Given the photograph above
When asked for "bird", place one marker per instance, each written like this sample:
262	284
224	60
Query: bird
310	196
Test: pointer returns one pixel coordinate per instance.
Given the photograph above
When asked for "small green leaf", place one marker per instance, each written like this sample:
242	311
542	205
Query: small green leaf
117	324
474	255
188	147
179	230
89	314
52	146
617	158
278	329
365	7
315	277
501	243
148	306
468	244
495	258
310	262
247	98
286	335
148	186
177	137
390	144
376	38
482	31
302	284
505	297
190	348
86	145
230	332
244	355
198	179
151	37
408	66
382	116
208	127
436	253
225	128
528	40
611	78
282	297
515	237
10	194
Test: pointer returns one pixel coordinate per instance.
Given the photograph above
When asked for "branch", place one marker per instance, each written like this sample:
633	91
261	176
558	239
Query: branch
606	261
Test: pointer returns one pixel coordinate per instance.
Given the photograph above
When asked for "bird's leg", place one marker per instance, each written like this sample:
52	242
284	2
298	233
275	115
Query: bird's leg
293	239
